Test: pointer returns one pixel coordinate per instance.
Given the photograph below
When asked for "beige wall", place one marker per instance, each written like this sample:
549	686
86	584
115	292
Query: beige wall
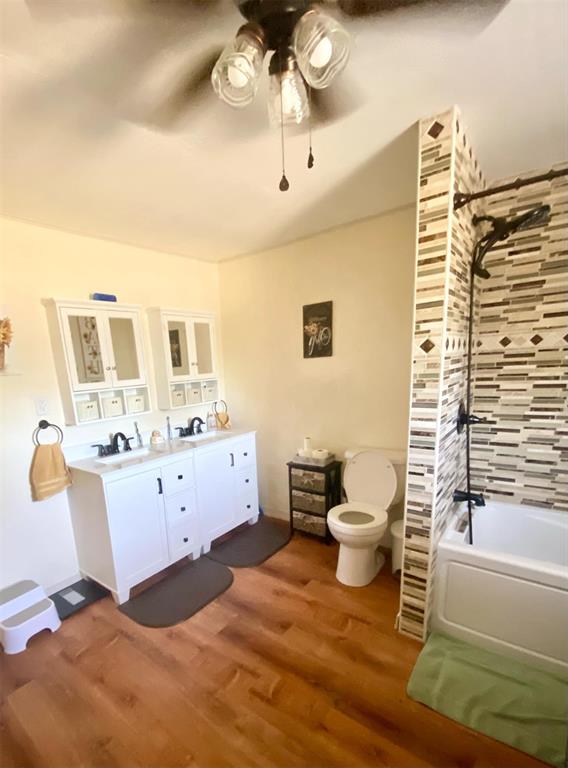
37	263
357	397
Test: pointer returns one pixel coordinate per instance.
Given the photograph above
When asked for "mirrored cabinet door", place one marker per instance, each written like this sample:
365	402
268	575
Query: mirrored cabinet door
126	349
178	345
84	337
204	353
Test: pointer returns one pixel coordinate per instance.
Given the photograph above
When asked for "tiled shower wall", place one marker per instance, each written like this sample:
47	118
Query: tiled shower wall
520	319
435	451
521	355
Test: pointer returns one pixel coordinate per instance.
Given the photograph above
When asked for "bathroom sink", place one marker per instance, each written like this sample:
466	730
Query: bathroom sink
199	439
122	458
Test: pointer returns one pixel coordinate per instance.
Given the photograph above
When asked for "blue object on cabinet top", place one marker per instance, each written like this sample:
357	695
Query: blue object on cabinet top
103	297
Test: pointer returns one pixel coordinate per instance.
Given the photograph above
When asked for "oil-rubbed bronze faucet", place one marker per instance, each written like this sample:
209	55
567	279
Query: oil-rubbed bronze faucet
120	436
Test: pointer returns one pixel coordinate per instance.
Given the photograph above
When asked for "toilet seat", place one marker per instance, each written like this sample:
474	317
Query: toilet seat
378	516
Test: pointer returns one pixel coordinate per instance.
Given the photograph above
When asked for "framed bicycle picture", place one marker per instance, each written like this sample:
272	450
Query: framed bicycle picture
318	329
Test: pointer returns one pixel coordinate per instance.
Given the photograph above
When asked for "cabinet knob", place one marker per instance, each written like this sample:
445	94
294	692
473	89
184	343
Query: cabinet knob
107	368
245	454
180	477
248	506
247	480
182	509
185	539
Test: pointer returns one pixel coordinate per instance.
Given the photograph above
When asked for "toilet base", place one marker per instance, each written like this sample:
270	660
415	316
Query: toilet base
357	566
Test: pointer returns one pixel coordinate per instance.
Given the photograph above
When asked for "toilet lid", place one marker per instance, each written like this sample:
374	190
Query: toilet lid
370	477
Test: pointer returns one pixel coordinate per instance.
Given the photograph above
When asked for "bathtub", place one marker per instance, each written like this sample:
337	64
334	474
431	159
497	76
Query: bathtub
508	592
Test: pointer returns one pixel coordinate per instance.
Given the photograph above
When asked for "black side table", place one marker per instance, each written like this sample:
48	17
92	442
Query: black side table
314	490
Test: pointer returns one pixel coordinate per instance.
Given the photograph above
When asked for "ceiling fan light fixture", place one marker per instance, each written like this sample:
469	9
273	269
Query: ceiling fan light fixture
236	74
288	102
322	46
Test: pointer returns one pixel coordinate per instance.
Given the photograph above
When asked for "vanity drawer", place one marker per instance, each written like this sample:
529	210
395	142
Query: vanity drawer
176	477
245	481
306	480
308	502
179	505
309	523
244	453
183	537
247	506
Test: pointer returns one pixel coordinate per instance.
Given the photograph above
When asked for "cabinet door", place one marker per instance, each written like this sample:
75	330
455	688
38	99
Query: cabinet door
125	349
215	492
203	362
137	524
178	346
86	349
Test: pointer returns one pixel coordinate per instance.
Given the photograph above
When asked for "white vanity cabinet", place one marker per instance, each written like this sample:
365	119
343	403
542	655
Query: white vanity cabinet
133	523
134	519
227	489
99	357
185	355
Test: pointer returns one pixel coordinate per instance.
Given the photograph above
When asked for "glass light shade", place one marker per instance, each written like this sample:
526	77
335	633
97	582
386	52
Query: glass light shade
321	45
236	74
294	106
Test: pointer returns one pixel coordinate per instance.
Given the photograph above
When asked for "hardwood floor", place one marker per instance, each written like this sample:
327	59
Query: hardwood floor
287	668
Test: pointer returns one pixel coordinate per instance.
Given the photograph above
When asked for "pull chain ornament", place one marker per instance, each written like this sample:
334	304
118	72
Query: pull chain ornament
284	185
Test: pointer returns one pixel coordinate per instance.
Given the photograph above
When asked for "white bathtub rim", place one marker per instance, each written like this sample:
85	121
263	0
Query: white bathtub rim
521	566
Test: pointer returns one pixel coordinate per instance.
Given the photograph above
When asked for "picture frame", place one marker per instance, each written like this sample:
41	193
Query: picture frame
317	329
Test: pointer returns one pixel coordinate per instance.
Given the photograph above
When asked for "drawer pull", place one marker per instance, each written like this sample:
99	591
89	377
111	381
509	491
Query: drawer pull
182	509
180	477
160	489
245	454
185	539
248	506
247	480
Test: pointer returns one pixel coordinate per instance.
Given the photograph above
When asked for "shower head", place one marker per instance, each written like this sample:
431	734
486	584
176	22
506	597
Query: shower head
502	229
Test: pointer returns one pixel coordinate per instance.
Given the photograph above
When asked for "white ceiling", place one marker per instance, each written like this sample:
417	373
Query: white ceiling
79	151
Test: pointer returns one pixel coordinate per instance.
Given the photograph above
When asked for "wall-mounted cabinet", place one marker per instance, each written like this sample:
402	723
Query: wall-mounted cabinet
99	358
185	357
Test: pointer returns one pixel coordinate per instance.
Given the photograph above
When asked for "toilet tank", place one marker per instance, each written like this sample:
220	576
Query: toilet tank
397	459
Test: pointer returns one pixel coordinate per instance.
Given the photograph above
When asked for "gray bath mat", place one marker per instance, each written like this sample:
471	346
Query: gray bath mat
179	596
252	544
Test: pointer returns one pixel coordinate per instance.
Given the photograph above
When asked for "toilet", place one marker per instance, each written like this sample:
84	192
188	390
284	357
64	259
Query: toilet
373	482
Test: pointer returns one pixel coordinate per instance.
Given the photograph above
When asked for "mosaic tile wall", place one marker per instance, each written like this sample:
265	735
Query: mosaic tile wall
521	356
436	137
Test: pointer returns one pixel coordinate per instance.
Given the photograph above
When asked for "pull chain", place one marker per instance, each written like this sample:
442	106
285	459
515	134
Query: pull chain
311	154
284	185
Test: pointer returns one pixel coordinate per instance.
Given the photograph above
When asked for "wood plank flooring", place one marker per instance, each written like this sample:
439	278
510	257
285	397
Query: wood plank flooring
287	668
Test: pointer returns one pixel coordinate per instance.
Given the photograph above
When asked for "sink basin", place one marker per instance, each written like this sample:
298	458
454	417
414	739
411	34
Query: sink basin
123	458
205	437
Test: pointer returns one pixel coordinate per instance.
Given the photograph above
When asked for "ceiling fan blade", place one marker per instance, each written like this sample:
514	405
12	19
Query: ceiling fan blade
334	103
360	8
186	93
363	8
59	10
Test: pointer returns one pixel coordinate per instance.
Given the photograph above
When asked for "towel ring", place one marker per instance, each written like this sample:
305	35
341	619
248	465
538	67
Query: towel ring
43	424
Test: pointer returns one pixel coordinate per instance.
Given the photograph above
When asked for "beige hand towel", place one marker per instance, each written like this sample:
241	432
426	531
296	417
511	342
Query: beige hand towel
49	474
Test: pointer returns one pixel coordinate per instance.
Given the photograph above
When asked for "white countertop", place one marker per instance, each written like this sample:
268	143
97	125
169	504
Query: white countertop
165	452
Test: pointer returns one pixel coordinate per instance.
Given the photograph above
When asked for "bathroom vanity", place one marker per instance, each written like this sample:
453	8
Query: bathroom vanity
137	512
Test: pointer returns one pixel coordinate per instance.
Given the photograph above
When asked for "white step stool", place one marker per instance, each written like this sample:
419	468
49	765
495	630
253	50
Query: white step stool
25	610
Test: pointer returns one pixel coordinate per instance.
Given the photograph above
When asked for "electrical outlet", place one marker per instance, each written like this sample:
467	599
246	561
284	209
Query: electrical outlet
41	406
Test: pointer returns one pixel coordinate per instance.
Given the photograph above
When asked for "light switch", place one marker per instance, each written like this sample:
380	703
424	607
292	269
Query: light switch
41	406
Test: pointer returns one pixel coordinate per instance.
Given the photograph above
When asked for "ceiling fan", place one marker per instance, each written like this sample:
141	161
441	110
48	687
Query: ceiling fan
306	44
